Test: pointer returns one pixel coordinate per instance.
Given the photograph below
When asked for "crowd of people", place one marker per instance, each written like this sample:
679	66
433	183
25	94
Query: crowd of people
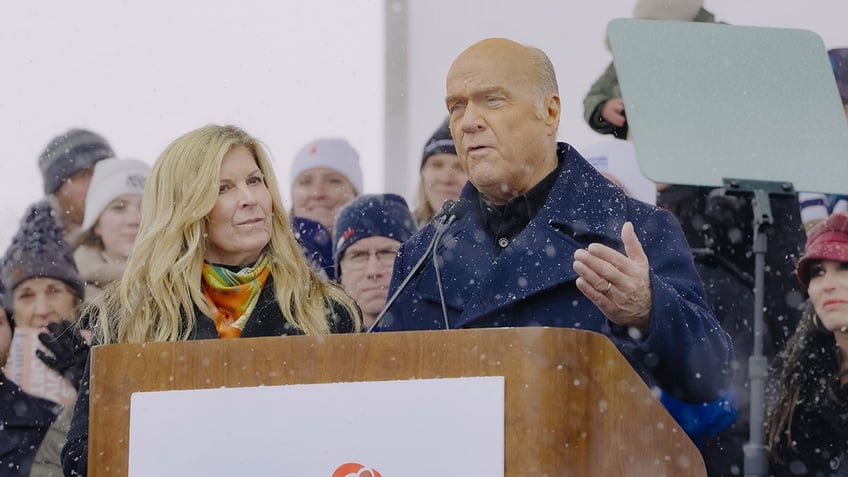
200	246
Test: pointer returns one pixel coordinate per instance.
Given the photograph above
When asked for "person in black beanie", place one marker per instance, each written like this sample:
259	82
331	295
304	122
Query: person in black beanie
367	235
441	176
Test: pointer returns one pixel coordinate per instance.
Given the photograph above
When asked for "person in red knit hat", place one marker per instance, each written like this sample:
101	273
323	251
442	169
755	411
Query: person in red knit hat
808	396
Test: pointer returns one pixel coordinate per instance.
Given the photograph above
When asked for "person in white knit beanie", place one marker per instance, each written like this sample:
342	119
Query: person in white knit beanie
111	220
325	175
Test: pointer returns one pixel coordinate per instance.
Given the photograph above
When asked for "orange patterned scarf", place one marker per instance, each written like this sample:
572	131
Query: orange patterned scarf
232	296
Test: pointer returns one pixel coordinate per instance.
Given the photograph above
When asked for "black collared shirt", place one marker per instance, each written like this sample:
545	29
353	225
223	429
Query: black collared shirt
504	222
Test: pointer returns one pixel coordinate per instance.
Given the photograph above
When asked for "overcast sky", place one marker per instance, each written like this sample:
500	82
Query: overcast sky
143	72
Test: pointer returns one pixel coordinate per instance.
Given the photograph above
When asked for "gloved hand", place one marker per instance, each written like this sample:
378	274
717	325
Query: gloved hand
70	351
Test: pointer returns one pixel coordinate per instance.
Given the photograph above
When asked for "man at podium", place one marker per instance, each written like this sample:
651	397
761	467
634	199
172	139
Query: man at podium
540	238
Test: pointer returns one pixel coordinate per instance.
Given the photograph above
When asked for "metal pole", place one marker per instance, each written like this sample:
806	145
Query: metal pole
756	452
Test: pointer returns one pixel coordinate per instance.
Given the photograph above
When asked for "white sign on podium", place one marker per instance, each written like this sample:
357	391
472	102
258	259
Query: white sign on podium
444	427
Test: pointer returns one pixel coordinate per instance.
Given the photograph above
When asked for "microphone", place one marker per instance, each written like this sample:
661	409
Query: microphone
452	210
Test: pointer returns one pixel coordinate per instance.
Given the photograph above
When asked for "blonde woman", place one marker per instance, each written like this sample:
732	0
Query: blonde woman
442	176
215	257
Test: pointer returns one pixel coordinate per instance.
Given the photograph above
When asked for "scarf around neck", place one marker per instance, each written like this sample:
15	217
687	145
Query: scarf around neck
232	296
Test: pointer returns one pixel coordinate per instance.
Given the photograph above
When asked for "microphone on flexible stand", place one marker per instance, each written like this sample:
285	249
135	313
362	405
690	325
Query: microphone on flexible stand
452	210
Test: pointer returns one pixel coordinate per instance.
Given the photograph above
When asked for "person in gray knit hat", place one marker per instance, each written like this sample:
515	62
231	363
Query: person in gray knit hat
43	289
66	165
38	266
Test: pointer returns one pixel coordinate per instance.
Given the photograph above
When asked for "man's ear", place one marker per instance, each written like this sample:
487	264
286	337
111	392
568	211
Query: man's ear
552	113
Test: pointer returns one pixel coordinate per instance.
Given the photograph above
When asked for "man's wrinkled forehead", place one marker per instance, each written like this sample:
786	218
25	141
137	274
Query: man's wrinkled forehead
493	46
486	67
487	53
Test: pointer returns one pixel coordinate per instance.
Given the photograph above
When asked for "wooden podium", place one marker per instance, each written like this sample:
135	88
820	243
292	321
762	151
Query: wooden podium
573	405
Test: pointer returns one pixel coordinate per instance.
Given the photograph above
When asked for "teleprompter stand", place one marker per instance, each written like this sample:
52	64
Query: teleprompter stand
756	452
707	102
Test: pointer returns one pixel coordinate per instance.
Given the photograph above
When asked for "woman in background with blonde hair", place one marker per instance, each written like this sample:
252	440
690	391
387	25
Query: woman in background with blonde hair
441	177
215	257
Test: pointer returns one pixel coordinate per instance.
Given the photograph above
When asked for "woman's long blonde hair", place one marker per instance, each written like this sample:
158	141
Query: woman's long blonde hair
156	299
424	213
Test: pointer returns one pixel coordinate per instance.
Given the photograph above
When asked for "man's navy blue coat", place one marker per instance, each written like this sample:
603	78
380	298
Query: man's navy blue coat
531	282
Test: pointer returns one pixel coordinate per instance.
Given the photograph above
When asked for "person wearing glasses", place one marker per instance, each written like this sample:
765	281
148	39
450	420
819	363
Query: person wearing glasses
366	237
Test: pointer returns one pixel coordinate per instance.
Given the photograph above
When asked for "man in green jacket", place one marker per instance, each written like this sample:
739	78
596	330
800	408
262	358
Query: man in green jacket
603	107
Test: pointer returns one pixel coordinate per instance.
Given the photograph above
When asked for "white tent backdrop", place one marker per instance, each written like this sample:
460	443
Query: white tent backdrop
144	72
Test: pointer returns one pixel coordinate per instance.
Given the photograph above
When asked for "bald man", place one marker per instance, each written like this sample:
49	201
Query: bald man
544	239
